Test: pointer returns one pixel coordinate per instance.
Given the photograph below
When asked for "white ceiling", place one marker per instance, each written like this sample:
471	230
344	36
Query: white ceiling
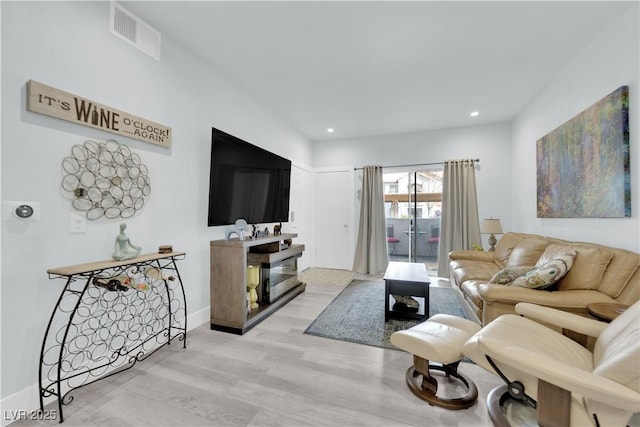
382	67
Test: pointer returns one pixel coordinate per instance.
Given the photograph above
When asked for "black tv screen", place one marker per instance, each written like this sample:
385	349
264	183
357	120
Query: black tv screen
246	182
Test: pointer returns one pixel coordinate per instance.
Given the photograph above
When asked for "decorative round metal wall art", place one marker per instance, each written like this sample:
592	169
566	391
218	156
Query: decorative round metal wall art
105	179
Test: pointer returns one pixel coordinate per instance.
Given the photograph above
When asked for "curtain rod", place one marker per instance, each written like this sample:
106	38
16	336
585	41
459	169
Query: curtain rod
415	164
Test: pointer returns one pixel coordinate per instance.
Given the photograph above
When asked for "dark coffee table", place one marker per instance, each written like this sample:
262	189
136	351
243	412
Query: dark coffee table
407	279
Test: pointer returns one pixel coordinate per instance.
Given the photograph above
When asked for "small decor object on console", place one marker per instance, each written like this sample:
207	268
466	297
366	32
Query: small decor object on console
253	280
229	232
277	229
257	233
165	249
123	248
239	228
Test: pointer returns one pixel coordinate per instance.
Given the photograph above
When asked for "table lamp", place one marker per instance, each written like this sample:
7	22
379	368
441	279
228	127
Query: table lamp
491	226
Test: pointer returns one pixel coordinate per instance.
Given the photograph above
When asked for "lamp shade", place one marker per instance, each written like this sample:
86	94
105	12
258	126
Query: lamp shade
491	226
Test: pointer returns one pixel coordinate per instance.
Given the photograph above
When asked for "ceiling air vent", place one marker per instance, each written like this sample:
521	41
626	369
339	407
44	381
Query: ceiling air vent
133	30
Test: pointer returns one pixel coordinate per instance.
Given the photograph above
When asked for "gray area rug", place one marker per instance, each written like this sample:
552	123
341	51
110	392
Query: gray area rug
326	276
357	314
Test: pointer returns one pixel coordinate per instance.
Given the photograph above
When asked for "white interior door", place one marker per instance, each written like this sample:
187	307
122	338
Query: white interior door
334	218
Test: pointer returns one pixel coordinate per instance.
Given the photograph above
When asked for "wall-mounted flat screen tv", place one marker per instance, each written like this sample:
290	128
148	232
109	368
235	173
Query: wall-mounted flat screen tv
246	182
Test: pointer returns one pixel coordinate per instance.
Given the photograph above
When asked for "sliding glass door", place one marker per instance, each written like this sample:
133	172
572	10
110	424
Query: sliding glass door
413	204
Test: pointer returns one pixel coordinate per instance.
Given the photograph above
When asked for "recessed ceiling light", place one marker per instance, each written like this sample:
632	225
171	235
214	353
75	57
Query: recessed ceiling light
474	114
330	130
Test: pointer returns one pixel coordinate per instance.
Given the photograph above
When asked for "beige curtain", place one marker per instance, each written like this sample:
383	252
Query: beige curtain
459	225
371	249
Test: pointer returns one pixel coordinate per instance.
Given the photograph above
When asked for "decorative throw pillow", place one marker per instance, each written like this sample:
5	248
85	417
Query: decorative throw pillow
508	275
547	274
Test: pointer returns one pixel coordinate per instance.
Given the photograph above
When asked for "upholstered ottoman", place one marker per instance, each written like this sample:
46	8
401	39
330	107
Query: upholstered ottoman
439	339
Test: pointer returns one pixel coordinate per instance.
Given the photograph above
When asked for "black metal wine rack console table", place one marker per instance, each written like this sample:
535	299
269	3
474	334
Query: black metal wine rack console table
110	315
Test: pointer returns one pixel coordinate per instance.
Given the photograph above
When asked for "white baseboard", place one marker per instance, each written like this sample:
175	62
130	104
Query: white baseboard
198	318
24	404
21	405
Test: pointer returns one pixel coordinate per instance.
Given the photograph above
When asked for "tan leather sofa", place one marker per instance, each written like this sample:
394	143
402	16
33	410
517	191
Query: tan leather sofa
599	274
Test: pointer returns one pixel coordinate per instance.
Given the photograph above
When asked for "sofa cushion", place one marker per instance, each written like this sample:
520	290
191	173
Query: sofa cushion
588	267
470	291
547	274
463	270
622	267
527	252
505	247
508	275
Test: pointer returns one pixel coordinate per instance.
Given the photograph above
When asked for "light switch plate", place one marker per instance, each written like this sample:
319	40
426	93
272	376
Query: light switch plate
77	223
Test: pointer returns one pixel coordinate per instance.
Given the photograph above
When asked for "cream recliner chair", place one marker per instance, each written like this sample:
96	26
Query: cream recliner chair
567	383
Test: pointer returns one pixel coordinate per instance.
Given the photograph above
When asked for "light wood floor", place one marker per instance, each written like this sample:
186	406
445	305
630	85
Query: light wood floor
274	375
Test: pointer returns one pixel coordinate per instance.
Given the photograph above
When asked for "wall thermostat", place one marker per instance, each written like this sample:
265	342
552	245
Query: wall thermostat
24	211
21	211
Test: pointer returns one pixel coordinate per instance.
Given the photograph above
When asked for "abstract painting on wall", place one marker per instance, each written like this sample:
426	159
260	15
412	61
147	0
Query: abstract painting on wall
583	168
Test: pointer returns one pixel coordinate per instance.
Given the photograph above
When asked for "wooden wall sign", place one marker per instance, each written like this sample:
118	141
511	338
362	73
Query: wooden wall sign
63	105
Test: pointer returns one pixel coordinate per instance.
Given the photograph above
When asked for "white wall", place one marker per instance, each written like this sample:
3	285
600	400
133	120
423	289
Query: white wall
611	61
489	143
506	179
67	45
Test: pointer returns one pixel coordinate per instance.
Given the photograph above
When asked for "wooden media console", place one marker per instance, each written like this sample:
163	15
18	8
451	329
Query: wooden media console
230	311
